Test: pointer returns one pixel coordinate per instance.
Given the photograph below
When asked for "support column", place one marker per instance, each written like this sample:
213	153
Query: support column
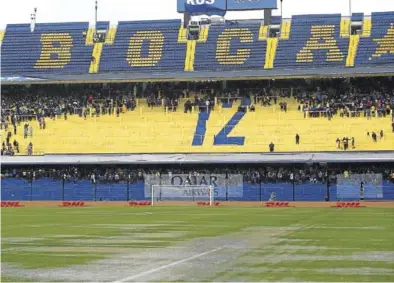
224	85
267	16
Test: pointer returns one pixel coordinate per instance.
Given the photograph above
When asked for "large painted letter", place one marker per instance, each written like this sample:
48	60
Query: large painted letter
223	46
222	137
322	38
155	51
386	44
55	51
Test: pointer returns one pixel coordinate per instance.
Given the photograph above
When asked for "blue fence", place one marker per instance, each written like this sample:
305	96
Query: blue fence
84	190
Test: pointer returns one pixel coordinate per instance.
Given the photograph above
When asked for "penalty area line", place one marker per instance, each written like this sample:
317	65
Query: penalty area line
166	266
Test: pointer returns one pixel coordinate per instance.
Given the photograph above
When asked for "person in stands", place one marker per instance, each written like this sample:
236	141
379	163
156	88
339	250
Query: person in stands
16	146
30	149
272	147
374	137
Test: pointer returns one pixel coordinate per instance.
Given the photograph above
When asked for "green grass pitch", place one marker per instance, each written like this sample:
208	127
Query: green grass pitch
197	244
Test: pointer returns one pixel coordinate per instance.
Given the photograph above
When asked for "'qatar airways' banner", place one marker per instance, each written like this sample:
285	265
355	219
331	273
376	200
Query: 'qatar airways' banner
230	186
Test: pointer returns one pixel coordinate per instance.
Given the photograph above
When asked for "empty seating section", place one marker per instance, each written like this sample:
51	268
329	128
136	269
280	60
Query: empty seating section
145	46
379	48
229	47
268	125
314	42
149	131
305	41
58	47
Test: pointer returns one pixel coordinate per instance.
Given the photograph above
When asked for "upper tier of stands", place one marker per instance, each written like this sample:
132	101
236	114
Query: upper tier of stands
305	41
51	47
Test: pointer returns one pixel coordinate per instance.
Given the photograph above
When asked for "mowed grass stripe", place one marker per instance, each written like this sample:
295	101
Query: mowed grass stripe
305	275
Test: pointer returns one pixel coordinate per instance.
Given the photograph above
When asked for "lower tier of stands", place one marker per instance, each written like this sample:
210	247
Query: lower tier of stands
155	131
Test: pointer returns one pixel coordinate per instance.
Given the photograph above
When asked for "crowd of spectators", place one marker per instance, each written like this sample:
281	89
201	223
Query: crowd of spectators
253	175
347	99
330	97
19	104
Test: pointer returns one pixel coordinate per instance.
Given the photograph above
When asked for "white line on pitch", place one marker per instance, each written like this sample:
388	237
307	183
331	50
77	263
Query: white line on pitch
167	265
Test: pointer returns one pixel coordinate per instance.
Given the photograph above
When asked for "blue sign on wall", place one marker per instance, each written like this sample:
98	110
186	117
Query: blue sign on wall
202	6
251	4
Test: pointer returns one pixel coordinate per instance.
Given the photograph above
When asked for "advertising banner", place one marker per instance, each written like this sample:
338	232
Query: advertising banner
242	5
355	186
195	7
187	184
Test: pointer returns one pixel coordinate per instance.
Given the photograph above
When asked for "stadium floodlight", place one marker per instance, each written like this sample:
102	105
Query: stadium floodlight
182	193
281	9
33	18
350	17
95	13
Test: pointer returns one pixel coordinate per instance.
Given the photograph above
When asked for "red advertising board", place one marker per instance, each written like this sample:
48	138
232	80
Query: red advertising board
72	203
349	204
207	203
11	204
276	204
140	203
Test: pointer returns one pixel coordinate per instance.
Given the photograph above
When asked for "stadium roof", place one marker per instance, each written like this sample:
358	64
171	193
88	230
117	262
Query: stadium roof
201	158
199	76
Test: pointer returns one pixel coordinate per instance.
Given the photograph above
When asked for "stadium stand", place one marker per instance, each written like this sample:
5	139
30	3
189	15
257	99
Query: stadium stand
314	42
231	46
304	41
379	47
144	46
57	47
108	120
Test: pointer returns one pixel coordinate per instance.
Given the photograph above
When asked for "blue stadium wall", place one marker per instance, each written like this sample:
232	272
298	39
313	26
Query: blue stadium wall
84	190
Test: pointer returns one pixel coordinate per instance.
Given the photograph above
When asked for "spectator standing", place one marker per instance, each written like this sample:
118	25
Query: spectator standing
8	137
16	146
207	104
25	130
30	149
272	147
297	138
374	137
